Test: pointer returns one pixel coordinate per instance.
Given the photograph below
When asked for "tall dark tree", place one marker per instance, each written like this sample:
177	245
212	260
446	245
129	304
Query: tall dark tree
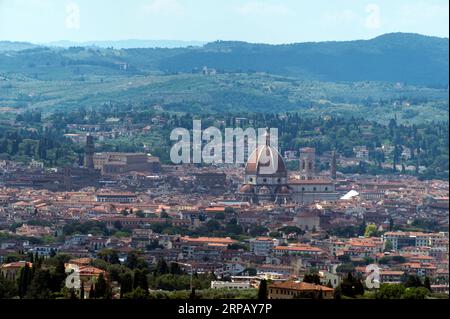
351	286
126	284
413	281
312	278
39	287
58	275
175	269
134	261
192	295
8	288
262	291
101	286
427	283
82	291
161	267
140	280
92	292
26	275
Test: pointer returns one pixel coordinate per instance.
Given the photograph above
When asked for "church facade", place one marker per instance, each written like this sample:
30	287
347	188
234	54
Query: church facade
266	179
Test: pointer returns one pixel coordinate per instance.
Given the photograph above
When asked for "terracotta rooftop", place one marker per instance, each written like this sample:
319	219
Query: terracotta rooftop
210	240
300	286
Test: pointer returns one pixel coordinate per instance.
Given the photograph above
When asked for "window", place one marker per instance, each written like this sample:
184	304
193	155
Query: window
326	188
315	188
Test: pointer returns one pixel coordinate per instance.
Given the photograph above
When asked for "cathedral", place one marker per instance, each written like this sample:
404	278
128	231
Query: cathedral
265	185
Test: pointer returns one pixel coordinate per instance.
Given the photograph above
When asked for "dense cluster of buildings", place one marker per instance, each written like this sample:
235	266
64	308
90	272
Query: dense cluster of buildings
289	222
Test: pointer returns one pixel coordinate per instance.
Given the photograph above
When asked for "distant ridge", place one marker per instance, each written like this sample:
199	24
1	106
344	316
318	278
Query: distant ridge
15	46
395	57
127	44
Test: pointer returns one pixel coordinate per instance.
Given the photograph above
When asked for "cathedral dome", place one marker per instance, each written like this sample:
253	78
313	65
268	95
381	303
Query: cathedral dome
265	160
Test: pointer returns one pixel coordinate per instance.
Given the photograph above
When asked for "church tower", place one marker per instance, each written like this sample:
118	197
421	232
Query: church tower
307	163
333	166
89	153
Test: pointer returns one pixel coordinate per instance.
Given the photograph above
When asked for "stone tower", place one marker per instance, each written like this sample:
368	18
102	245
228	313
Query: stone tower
333	165
89	153
307	163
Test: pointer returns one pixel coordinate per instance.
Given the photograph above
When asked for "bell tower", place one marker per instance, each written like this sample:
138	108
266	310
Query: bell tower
307	163
89	153
333	166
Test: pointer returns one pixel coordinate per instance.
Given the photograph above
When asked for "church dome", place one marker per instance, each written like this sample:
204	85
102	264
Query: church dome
265	160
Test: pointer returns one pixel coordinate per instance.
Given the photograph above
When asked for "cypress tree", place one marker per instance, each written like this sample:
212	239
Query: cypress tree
262	292
161	267
108	293
92	292
26	275
126	285
427	284
140	280
359	288
192	295
100	287
82	291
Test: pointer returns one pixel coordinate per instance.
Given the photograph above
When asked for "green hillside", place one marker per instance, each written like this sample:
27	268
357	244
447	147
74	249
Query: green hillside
228	93
395	75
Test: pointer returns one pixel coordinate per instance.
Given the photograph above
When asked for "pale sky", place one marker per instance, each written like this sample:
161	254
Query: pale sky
268	21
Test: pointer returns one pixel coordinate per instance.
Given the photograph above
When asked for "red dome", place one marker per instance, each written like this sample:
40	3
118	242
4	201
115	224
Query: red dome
265	160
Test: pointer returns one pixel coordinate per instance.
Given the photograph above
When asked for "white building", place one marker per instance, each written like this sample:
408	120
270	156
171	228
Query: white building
361	152
409	239
36	164
262	246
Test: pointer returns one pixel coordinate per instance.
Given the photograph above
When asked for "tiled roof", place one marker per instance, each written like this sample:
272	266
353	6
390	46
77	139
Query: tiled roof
300	286
214	240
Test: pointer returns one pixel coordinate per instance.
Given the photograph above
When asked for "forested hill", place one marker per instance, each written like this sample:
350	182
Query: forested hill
396	57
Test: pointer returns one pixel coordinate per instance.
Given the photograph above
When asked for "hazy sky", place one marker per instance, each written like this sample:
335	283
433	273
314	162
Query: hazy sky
270	21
